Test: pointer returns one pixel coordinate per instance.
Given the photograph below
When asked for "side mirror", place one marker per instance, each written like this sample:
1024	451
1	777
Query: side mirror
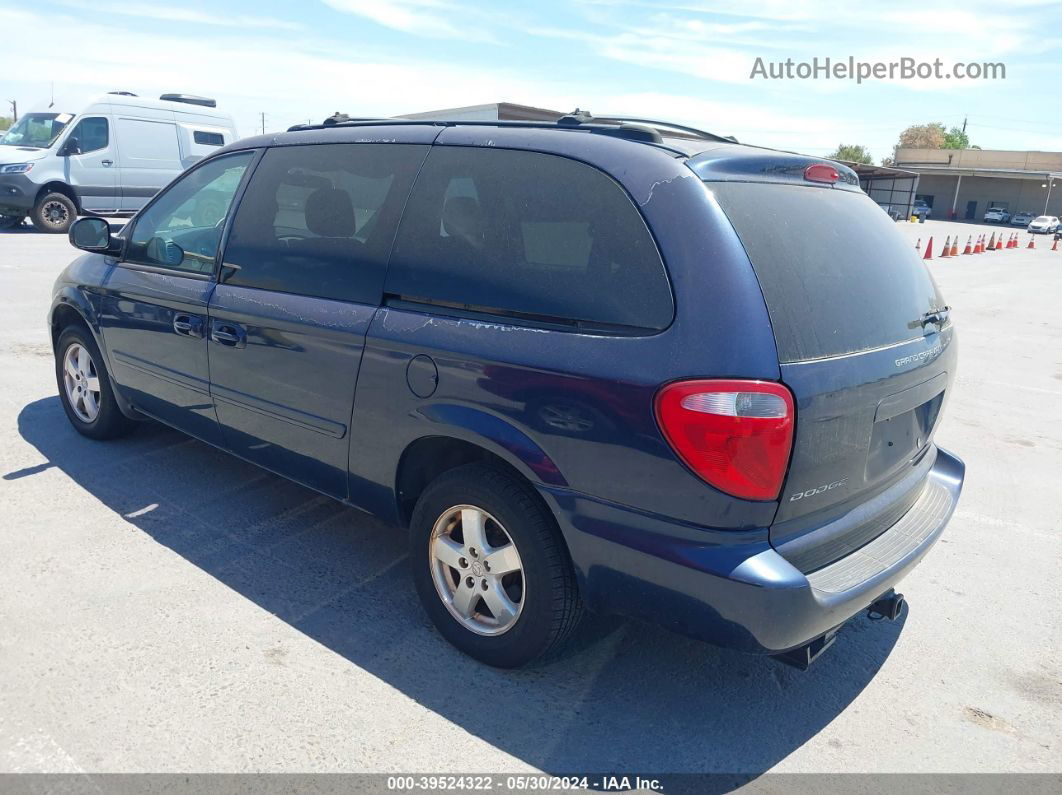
71	147
164	252
93	234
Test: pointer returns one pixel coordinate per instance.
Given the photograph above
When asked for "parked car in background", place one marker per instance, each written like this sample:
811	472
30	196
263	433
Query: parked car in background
1022	219
921	209
996	215
1044	224
108	158
535	370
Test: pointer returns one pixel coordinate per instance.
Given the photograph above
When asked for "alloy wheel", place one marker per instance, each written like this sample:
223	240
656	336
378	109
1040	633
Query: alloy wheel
55	213
477	570
82	383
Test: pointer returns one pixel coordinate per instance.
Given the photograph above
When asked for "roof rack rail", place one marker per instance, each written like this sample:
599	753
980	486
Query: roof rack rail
122	93
338	118
646	131
667	125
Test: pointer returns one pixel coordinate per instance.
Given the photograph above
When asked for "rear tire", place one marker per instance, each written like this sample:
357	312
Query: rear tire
54	212
507	614
85	387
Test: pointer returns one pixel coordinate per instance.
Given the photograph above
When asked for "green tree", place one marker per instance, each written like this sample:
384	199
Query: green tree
852	153
5	122
955	138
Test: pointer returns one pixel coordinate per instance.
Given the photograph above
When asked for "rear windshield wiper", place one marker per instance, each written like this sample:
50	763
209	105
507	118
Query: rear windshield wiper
936	317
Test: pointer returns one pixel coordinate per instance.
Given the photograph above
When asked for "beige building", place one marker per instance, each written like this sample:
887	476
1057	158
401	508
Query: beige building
967	182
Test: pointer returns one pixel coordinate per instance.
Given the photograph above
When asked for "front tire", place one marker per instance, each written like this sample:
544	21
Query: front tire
85	388
491	568
54	212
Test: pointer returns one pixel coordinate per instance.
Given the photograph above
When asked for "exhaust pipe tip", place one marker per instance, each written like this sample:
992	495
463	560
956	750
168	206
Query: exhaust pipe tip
889	606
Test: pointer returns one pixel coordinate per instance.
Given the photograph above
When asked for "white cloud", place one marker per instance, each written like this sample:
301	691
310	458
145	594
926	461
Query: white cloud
719	40
291	78
429	18
168	13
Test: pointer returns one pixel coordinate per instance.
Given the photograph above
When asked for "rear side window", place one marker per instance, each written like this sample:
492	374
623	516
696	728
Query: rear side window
836	274
319	220
528	235
208	138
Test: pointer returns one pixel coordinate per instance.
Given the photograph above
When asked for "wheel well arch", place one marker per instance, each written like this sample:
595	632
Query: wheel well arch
56	186
428	457
66	315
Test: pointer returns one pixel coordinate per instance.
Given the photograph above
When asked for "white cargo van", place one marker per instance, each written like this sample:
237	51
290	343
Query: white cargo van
109	158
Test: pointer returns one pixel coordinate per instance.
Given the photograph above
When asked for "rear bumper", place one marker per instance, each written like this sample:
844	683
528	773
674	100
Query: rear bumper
732	588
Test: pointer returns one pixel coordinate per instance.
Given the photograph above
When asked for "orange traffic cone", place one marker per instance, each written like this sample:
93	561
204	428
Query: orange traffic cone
954	247
968	249
1014	241
1054	246
978	244
992	242
929	250
1032	242
946	251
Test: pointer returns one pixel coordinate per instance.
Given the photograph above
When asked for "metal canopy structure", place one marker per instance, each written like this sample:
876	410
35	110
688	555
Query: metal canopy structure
892	188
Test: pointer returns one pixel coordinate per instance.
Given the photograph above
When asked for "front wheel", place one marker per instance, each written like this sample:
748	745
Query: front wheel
491	568
54	212
85	387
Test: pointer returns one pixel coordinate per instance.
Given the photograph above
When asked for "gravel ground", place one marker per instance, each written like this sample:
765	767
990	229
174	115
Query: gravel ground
165	607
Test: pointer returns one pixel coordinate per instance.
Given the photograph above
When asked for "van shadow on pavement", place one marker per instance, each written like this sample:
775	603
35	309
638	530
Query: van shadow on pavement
627	698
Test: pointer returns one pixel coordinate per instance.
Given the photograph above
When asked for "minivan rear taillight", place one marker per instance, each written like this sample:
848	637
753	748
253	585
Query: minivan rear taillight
736	435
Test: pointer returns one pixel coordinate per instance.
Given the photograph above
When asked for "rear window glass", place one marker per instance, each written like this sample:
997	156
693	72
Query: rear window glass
208	138
529	235
836	274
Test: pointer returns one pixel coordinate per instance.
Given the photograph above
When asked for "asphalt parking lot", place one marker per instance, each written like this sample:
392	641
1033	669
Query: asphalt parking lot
165	607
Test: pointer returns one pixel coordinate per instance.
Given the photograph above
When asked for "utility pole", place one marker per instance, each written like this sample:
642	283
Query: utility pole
263	122
964	125
1050	184
14	110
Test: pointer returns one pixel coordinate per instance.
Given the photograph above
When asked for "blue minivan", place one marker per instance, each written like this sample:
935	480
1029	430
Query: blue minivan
592	365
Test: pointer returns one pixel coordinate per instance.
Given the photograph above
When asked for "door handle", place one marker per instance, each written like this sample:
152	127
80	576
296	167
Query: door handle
106	162
188	325
229	334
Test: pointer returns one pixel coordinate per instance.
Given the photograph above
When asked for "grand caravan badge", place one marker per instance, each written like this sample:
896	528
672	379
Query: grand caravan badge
918	358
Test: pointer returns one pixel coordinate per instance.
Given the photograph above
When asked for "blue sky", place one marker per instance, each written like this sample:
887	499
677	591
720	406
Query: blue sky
686	60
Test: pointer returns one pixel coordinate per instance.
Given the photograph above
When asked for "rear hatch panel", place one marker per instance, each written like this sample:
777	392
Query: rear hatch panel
848	299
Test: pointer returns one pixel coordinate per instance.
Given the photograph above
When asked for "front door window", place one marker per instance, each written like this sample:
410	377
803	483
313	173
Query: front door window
182	228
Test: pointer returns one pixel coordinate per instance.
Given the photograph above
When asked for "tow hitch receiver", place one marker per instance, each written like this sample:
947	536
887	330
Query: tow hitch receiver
802	657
